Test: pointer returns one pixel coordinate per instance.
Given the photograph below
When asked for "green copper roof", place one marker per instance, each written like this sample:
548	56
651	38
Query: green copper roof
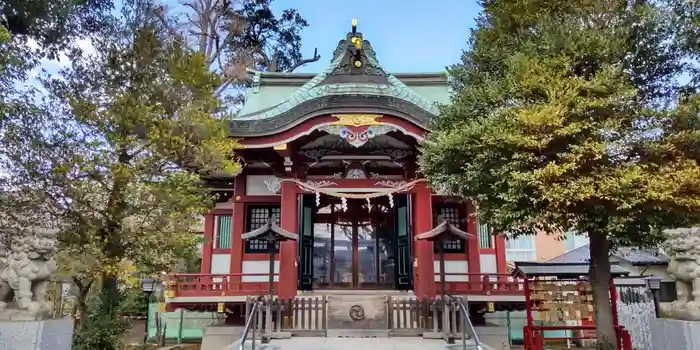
272	94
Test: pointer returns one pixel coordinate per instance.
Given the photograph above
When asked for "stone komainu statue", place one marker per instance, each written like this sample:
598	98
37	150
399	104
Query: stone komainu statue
683	248
25	272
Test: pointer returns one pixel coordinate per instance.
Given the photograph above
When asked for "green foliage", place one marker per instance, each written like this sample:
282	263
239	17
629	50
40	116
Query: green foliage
5	35
115	151
35	29
237	35
102	328
277	41
135	301
560	121
686	21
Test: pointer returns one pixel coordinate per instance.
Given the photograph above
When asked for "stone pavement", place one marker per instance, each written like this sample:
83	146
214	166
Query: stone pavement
307	343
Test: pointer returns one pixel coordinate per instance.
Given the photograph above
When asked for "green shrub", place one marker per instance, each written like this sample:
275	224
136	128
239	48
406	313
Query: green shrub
103	329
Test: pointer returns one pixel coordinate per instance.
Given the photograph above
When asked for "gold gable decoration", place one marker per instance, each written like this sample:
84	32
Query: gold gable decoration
357	119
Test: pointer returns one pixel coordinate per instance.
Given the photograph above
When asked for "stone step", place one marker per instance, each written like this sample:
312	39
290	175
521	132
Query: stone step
357	333
316	343
249	346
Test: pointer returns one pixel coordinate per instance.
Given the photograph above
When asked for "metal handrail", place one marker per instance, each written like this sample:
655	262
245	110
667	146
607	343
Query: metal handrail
251	322
467	323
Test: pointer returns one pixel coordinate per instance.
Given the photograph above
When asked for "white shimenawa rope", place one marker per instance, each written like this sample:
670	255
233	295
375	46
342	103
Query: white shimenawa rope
343	195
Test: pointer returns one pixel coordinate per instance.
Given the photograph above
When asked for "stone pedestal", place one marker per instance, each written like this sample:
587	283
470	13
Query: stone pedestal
357	312
36	335
674	334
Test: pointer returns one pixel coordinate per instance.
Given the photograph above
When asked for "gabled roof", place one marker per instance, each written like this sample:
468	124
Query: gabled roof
444	228
270	227
366	87
561	270
632	255
580	255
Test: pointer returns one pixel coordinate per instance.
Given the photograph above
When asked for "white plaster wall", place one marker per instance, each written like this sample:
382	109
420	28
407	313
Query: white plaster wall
488	264
452	266
255	185
262	266
220	263
224	205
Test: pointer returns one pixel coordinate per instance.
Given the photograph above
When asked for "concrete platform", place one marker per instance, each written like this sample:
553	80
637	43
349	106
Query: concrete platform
219	337
317	343
674	334
365	343
36	335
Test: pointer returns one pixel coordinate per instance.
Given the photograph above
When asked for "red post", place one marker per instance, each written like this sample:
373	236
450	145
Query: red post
613	306
423	222
501	267
613	301
626	340
237	229
528	301
287	286
527	341
474	266
207	243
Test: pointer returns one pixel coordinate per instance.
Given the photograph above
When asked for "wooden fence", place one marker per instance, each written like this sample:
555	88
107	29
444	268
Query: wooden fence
423	317
307	316
282	318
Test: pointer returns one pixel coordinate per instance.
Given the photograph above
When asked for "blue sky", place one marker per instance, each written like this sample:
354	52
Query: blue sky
408	35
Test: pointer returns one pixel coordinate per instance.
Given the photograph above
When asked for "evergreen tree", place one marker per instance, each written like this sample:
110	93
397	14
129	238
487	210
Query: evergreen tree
114	154
563	120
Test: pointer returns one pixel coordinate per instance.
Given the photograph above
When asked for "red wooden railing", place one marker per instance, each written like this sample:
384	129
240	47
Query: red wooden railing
482	284
235	284
231	284
535	338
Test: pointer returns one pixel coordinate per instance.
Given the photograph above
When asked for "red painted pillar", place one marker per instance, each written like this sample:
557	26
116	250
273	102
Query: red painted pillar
207	243
237	229
473	247
287	286
423	222
500	247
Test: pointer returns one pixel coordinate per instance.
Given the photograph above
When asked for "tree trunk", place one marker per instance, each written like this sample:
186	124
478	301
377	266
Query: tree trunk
110	293
82	310
600	277
81	302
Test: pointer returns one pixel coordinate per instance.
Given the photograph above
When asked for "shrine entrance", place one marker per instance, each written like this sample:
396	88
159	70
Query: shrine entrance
354	244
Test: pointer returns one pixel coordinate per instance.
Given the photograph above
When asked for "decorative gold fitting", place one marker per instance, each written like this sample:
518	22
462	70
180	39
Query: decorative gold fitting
358	43
357	119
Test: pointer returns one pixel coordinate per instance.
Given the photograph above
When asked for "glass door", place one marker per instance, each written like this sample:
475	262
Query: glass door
354	247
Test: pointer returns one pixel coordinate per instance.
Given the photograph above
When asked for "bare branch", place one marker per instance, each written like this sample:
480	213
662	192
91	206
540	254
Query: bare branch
305	61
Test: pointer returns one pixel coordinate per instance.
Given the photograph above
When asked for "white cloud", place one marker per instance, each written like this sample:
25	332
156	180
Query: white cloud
52	67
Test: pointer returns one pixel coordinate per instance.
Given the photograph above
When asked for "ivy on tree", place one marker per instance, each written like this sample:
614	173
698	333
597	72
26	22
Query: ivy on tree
559	122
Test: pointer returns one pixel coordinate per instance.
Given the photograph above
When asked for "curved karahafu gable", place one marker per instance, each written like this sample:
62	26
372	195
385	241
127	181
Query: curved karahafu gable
354	80
445	231
271	232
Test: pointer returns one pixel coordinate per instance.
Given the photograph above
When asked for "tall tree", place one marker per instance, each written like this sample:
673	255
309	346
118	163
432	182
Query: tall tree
116	150
559	121
49	25
240	34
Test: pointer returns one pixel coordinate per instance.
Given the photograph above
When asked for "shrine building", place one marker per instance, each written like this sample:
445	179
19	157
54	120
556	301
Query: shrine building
332	158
